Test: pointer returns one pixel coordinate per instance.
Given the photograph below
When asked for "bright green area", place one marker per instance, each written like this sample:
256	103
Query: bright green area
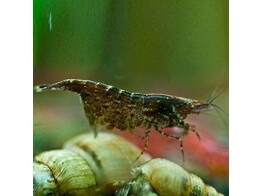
135	44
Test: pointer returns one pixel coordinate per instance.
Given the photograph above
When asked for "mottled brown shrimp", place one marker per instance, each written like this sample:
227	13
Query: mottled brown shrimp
116	108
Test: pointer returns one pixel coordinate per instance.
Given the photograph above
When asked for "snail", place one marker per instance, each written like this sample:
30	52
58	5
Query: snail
162	177
87	165
104	165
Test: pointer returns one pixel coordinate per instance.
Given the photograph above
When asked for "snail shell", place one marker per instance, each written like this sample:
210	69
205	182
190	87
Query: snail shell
86	166
71	174
166	178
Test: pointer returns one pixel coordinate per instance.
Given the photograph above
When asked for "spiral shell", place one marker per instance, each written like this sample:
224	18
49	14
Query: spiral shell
86	166
71	173
166	178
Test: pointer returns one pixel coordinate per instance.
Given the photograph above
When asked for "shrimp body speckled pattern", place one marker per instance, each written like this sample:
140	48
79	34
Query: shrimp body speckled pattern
116	108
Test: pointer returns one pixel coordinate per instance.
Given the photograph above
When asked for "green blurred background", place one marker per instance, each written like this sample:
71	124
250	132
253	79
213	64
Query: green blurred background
172	46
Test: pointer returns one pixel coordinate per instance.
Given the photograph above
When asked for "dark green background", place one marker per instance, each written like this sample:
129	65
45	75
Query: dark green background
132	43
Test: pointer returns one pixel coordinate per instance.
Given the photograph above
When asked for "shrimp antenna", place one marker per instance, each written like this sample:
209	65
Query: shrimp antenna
215	90
218	109
210	101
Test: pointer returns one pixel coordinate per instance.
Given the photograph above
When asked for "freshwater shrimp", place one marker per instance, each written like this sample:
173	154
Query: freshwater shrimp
116	108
